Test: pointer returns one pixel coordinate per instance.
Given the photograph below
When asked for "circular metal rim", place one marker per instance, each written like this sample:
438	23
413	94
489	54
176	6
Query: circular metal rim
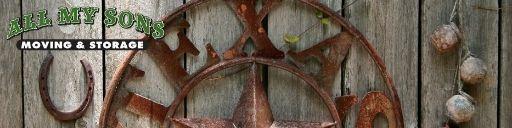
338	19
194	81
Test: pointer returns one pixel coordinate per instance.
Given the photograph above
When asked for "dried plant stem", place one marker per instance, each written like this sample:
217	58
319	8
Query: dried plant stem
454	10
318	23
464	53
309	28
457	75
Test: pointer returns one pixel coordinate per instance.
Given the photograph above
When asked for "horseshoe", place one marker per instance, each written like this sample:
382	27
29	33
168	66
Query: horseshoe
48	104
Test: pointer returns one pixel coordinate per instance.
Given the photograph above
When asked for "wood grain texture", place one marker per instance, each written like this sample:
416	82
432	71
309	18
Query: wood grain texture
290	97
153	85
66	81
216	23
480	32
392	28
506	65
438	72
10	78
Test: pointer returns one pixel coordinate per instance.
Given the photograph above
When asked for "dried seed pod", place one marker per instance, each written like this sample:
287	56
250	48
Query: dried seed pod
472	70
445	37
460	108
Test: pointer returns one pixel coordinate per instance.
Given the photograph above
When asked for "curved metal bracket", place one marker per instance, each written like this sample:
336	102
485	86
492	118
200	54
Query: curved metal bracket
48	104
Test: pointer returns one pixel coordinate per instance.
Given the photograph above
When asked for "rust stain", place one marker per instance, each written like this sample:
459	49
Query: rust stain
134	72
338	48
344	103
145	107
252	24
203	123
243	8
169	61
371	105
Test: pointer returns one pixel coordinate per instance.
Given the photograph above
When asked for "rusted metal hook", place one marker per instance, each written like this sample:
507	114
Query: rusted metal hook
48	104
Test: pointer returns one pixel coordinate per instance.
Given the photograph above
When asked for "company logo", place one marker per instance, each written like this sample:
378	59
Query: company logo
85	15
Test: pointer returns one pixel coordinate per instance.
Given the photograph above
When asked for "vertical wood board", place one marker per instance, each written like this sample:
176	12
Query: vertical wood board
400	31
10	78
154	84
480	31
506	65
289	96
392	28
66	81
216	23
438	71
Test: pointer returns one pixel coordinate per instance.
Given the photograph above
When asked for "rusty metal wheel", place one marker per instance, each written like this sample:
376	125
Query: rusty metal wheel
266	54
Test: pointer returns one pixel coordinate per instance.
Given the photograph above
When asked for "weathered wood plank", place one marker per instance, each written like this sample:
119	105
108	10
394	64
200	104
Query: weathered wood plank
506	65
215	23
66	78
480	32
392	27
438	71
10	80
290	97
153	85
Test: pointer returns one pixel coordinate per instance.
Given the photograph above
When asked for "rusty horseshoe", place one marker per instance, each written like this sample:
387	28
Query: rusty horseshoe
48	104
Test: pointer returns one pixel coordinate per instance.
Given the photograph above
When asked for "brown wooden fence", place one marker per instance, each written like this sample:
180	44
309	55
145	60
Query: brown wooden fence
399	29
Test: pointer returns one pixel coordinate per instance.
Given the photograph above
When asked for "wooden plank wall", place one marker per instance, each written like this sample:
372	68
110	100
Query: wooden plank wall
215	98
505	107
480	31
392	28
153	85
437	71
66	84
290	97
10	71
399	30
